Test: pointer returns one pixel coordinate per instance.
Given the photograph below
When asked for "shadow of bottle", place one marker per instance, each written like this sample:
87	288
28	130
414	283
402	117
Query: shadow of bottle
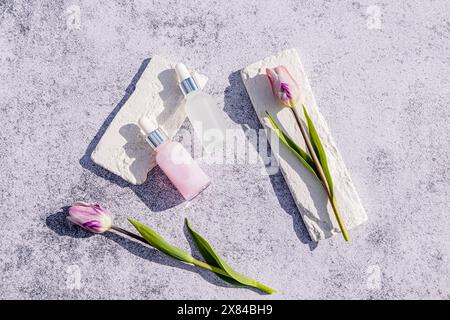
157	193
239	108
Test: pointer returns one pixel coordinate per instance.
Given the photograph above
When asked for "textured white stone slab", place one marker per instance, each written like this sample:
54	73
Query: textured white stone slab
122	149
307	191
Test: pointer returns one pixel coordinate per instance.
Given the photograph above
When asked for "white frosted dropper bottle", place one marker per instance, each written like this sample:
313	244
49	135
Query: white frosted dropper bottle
202	111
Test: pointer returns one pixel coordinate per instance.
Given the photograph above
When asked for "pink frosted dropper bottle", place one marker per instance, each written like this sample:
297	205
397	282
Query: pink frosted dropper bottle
175	161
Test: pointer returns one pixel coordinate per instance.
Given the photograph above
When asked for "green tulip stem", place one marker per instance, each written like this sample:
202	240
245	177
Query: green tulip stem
130	234
320	171
339	219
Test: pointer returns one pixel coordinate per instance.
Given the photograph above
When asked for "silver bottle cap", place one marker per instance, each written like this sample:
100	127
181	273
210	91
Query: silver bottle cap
188	85
157	137
154	134
187	82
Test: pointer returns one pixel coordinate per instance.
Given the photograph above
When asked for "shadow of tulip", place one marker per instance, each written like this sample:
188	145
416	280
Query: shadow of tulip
210	276
58	223
149	253
239	108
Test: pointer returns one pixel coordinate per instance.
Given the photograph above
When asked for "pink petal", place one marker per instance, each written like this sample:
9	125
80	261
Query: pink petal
71	219
81	204
273	77
78	210
286	77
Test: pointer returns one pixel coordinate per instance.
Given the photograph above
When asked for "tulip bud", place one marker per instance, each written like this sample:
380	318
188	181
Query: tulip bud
90	216
284	88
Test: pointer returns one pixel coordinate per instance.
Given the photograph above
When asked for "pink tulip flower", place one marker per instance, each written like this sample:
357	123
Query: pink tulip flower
90	216
284	88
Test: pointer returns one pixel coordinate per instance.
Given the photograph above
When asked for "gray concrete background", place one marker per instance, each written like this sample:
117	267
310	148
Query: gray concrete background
383	87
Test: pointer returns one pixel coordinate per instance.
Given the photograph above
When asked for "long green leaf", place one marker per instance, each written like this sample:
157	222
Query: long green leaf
301	154
318	148
214	259
158	242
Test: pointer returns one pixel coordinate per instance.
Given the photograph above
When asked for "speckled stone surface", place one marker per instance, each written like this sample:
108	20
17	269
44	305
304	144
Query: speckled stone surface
379	72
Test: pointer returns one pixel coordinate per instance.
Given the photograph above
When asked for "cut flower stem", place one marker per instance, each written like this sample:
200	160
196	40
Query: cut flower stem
320	171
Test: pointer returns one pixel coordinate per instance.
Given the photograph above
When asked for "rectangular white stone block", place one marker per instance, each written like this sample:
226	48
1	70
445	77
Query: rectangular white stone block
306	189
122	148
